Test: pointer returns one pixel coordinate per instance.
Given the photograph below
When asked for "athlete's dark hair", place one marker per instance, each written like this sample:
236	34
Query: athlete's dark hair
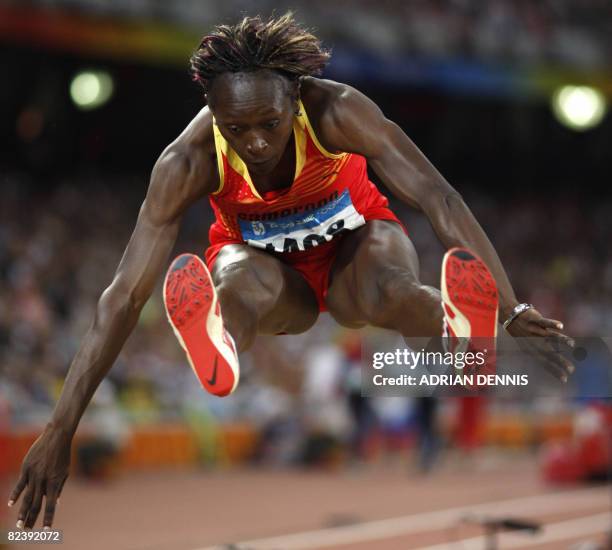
278	43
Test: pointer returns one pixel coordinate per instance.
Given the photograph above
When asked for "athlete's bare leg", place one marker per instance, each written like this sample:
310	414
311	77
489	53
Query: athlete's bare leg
260	294
375	280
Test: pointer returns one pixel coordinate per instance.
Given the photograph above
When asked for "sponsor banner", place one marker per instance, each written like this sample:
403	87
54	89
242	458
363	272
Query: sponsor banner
313	224
518	367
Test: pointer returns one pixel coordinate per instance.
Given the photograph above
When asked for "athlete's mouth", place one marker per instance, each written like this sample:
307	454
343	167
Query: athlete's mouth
259	162
262	167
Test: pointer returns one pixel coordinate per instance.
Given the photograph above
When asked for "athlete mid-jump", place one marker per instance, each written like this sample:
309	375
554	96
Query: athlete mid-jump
299	228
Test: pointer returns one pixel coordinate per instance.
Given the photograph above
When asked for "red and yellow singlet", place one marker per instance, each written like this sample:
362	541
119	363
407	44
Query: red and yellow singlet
330	195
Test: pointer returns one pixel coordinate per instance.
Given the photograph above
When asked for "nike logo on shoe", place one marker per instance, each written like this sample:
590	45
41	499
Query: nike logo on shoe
213	378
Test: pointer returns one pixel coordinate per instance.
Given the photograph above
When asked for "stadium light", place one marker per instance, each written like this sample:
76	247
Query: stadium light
91	89
579	107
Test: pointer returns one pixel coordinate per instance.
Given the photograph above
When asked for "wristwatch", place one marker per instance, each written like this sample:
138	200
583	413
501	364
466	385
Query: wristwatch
520	308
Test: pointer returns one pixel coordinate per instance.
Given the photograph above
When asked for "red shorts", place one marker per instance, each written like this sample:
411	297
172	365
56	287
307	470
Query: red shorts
314	264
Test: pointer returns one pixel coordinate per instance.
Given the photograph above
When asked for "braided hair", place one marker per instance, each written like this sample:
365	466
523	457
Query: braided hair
278	43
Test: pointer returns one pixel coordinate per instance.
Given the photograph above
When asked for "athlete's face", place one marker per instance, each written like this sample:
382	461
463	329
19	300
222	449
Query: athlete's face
254	112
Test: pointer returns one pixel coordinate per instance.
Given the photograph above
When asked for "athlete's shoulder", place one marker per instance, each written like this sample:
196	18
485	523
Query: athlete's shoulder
321	89
337	112
321	97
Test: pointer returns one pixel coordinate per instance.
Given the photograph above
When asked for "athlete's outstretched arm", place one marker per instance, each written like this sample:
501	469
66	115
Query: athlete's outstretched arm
175	184
354	123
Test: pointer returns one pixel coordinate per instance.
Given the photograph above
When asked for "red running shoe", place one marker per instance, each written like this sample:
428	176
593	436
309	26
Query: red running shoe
193	311
470	302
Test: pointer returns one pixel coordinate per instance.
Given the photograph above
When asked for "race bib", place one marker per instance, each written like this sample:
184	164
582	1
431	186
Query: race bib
303	227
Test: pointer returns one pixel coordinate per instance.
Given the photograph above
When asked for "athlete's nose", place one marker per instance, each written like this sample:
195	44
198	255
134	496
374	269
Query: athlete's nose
257	147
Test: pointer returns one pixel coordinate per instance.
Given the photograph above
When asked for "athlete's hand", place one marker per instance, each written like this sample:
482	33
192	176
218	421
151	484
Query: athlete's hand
43	473
543	338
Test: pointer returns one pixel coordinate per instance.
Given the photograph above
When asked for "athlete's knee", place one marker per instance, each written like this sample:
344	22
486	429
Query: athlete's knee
248	291
244	300
243	281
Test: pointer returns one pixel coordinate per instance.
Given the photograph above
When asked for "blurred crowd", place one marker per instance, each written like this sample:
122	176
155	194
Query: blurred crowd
59	247
548	32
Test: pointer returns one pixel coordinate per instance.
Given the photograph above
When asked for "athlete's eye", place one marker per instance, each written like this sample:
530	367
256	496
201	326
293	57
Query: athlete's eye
272	124
234	129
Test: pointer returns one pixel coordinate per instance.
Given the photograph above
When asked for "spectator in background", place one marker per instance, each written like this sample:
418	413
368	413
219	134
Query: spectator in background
363	416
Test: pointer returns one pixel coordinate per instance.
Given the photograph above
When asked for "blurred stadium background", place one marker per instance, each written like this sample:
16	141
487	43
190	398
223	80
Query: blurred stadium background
507	98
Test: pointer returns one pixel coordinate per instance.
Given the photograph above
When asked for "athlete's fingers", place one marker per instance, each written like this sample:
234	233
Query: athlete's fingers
566	366
61	487
554	345
536	329
547	348
554	368
563	366
19	487
554	337
549	356
50	504
548	323
34	507
26	502
563	339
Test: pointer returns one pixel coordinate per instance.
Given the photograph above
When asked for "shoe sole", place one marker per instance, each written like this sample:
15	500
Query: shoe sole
193	311
470	300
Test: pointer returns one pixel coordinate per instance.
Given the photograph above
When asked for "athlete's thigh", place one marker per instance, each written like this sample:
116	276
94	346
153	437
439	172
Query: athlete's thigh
277	294
370	261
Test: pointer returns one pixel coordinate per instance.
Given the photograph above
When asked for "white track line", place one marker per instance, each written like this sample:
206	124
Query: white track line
553	532
551	503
